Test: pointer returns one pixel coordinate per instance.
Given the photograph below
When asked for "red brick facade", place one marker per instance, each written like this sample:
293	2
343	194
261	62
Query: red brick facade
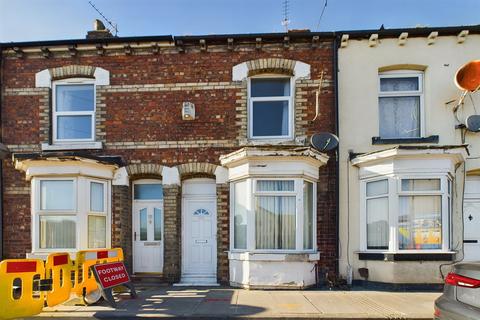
141	121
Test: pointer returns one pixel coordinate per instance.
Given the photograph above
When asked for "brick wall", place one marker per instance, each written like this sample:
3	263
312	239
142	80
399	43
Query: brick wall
122	222
139	118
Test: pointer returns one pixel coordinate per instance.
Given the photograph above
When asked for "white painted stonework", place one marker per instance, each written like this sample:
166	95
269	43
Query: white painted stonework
170	176
55	167
258	271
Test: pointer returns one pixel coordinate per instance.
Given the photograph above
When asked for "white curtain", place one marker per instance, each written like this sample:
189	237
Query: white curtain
399	84
307	215
399	117
275	222
57	232
420	222
377	223
240	215
97	232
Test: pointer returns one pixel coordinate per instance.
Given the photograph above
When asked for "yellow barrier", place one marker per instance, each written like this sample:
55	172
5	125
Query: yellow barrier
19	287
85	282
26	284
59	268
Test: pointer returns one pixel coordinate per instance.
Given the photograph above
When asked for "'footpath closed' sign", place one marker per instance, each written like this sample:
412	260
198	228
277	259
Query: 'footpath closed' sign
111	274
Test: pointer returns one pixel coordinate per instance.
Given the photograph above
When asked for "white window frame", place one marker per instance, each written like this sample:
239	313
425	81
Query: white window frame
291	108
383	195
417	93
394	192
56	114
90	212
251	185
81	212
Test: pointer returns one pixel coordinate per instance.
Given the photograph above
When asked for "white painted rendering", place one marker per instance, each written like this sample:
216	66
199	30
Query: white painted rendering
261	270
120	177
102	77
69	146
43	79
57	167
221	175
199	232
360	63
170	176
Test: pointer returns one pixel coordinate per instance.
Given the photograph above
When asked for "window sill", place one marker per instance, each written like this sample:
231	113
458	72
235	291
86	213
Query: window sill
71	146
379	140
274	256
407	256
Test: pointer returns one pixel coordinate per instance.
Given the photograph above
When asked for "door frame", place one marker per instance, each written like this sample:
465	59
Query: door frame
202	197
162	247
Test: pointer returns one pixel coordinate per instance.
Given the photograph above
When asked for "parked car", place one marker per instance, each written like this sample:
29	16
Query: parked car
461	295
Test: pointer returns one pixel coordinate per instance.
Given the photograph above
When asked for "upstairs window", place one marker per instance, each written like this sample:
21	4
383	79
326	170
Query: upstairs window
73	110
400	105
270	108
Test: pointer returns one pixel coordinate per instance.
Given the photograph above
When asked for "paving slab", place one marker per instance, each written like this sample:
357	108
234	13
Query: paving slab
211	303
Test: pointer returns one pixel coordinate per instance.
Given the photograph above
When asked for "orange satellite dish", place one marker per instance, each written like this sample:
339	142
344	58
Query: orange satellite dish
468	76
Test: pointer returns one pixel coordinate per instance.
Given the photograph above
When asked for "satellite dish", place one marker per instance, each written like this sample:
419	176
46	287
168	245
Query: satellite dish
468	77
324	141
473	123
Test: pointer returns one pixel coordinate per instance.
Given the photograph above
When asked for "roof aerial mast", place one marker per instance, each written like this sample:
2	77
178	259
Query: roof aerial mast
286	21
112	24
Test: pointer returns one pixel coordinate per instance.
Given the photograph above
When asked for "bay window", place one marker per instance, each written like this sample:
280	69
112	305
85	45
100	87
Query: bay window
69	213
404	213
276	215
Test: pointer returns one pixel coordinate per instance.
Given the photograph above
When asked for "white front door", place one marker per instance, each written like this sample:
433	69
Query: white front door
147	227
199	232
471	222
471	219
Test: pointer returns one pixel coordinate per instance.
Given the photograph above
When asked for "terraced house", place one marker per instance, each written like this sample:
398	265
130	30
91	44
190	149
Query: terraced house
190	153
409	164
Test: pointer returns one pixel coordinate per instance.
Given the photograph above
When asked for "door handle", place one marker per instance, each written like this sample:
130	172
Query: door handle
135	236
470	241
201	241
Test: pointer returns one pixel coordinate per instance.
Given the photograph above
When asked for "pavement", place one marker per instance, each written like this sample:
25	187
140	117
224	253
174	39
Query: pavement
226	302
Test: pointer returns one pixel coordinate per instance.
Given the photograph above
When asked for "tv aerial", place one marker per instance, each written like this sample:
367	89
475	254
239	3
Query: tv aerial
112	24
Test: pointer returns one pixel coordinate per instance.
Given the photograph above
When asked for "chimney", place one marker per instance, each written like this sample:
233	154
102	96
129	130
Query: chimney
99	31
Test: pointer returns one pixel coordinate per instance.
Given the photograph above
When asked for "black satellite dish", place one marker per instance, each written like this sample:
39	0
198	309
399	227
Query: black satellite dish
473	123
324	141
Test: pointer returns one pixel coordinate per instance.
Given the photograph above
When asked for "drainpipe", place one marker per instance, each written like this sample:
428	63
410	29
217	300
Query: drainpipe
3	154
1	158
337	162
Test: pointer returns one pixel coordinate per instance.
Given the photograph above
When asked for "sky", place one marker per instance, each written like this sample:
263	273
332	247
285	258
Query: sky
31	20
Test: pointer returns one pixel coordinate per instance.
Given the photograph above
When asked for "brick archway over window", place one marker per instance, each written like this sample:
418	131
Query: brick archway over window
196	169
144	170
45	77
294	68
